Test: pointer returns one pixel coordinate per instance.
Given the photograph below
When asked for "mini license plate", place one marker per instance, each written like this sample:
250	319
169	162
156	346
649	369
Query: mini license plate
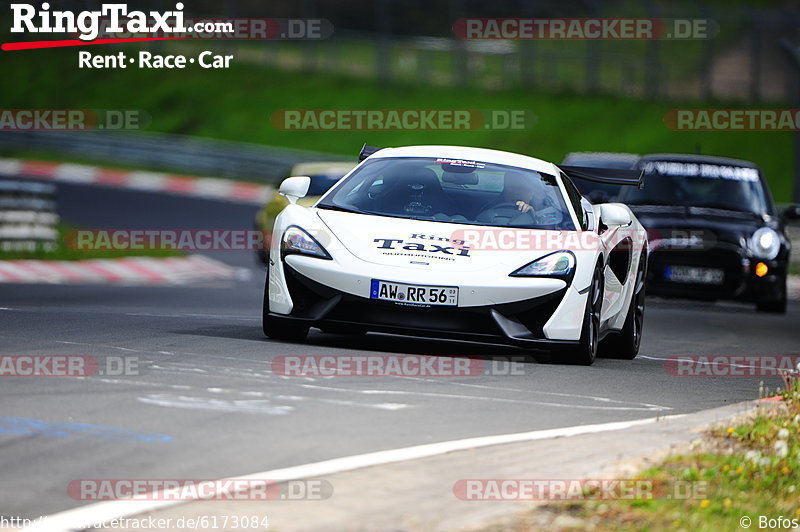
414	294
690	274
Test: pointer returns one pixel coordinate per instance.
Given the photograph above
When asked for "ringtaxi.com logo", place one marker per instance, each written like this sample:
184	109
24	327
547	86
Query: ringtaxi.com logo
114	23
88	25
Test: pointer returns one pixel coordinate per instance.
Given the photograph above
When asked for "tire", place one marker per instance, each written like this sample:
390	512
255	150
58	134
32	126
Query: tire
774	306
278	329
625	344
586	352
777	306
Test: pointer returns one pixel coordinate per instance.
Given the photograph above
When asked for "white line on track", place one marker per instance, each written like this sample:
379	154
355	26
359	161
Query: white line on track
634	406
76	519
540	392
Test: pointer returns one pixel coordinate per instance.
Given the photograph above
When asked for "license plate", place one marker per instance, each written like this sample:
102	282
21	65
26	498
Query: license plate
690	274
413	294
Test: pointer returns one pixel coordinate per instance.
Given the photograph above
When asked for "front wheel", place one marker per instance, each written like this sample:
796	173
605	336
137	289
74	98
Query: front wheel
777	306
585	353
774	306
625	344
278	329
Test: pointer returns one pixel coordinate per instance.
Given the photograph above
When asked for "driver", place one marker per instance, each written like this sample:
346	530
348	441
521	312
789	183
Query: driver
519	190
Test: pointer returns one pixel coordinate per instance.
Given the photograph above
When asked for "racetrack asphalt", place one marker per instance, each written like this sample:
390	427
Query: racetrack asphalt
206	403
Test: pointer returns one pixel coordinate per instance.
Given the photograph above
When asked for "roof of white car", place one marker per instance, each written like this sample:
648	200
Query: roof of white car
470	154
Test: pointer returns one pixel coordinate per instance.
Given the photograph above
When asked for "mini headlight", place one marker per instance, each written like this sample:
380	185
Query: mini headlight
765	243
560	264
295	240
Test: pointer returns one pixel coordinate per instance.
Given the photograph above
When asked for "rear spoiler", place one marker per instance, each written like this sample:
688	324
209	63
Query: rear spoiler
366	151
608	176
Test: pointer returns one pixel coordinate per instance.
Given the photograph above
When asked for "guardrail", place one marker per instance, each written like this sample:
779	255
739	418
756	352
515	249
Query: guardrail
28	216
165	152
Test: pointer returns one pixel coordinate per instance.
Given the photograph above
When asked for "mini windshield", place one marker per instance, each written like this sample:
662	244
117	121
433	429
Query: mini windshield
453	191
734	188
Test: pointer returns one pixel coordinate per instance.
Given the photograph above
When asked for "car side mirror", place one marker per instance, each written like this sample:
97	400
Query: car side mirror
792	213
295	188
615	215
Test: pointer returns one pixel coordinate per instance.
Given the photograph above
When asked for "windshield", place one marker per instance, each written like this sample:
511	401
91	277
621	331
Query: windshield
714	186
454	191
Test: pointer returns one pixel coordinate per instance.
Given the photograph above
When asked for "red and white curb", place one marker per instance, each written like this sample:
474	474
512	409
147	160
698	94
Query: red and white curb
199	187
123	271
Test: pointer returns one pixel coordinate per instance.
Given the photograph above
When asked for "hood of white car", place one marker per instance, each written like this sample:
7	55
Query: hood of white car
437	245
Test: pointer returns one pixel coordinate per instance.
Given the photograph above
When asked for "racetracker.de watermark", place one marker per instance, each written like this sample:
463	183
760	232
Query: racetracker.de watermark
733	119
73	119
515	489
67	366
167	239
231	489
614	29
494	239
393	366
732	365
401	119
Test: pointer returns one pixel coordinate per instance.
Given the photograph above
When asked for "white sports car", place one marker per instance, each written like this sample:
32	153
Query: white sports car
462	243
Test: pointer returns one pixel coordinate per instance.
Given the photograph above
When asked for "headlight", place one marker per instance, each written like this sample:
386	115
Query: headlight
295	240
765	243
560	264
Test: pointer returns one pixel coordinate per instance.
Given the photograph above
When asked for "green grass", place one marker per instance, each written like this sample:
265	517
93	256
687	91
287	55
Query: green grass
734	486
236	104
739	472
64	251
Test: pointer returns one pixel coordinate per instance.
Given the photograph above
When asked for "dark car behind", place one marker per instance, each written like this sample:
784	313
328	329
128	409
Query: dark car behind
714	230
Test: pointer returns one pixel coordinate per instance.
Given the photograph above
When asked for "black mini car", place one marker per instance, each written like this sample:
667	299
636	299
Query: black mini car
713	228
